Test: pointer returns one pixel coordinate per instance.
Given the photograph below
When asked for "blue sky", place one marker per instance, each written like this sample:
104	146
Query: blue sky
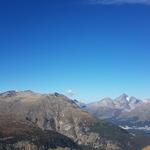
92	48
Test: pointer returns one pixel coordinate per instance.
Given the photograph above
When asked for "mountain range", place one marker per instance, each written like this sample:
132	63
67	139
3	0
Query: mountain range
125	111
34	121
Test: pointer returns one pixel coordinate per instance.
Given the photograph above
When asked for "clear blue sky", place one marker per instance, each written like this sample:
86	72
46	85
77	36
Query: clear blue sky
91	48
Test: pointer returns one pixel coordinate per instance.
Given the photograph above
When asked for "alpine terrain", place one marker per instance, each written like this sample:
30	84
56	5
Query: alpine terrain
130	113
34	121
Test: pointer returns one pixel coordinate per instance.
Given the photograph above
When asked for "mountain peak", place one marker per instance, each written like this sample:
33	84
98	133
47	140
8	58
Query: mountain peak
106	102
107	99
28	91
8	93
122	101
124	95
133	99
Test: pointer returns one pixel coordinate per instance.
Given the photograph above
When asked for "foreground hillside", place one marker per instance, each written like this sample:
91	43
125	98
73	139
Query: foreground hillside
23	135
146	148
57	113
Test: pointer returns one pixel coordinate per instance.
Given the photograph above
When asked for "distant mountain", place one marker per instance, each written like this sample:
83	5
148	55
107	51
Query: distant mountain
125	111
33	117
122	102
